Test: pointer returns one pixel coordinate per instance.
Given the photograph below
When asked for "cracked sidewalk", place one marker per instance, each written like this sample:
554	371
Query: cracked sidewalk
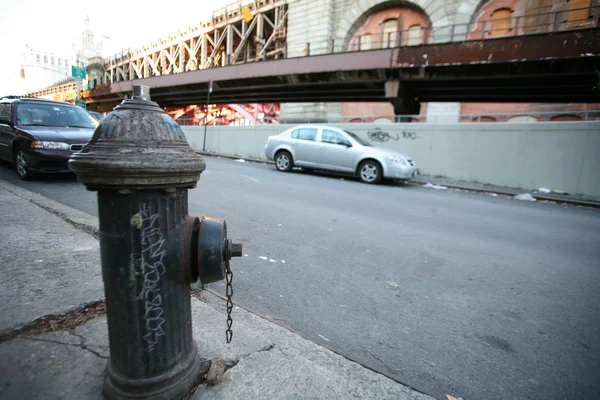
53	269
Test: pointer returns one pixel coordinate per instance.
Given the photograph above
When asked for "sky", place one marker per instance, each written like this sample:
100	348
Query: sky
54	25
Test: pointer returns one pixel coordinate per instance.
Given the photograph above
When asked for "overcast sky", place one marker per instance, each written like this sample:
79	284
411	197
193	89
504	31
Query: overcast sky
53	25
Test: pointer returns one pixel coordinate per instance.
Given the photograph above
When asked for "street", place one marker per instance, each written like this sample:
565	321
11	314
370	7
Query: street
447	292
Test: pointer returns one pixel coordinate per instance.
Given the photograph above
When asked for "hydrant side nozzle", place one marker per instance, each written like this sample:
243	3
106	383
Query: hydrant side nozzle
189	249
236	250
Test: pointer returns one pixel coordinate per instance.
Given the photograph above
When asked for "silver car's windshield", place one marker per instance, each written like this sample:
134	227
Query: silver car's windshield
358	138
39	114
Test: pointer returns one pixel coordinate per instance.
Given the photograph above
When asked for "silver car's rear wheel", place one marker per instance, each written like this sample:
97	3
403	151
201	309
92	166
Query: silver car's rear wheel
369	172
283	161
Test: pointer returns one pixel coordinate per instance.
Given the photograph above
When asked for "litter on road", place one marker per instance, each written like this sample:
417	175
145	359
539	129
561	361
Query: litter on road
525	197
436	187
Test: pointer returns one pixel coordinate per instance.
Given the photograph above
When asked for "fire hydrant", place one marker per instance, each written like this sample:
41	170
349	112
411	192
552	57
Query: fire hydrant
141	165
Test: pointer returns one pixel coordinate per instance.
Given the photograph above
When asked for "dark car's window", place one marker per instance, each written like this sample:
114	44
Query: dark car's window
33	114
333	137
358	138
307	133
5	110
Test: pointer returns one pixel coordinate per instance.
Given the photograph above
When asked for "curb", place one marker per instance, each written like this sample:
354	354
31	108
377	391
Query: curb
80	220
417	181
511	193
254	160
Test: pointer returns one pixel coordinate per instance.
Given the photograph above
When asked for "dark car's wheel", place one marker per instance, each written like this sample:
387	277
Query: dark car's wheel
370	172
283	161
21	164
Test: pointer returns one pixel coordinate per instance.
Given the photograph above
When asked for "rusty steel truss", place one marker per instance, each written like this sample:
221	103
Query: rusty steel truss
250	30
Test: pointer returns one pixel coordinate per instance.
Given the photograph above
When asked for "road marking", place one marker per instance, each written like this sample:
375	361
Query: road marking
251	178
323	337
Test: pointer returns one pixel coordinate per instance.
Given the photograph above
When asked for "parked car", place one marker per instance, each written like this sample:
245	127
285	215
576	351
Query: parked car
330	148
96	115
39	135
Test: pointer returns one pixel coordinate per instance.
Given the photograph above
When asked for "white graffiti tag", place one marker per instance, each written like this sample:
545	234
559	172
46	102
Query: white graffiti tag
152	259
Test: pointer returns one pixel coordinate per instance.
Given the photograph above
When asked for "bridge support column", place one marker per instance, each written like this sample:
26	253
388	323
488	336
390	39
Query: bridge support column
402	99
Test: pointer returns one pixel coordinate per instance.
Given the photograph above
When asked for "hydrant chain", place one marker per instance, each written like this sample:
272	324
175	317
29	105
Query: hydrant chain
229	293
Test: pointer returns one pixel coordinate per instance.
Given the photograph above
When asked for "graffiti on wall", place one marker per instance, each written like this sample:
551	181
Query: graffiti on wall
380	136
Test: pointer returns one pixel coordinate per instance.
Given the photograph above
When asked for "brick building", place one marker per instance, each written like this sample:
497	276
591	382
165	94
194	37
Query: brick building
362	25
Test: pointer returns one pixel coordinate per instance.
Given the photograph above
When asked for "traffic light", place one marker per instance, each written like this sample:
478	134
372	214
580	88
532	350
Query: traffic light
81	94
22	73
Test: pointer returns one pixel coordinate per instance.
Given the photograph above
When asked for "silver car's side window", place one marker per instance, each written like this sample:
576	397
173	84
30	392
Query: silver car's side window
332	137
295	134
307	134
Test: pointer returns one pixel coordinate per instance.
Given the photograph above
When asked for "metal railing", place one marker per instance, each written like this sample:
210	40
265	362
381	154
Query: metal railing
291	118
521	25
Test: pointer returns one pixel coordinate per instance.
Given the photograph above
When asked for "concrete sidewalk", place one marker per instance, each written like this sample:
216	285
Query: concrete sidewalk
53	331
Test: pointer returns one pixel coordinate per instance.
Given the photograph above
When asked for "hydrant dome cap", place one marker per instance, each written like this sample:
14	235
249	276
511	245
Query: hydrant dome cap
137	146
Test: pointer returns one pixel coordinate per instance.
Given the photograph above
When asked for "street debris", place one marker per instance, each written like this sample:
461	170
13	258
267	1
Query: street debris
525	197
450	397
323	337
283	261
278	224
436	187
392	285
557	191
493	194
263	257
216	371
240	160
544	190
271	260
245	255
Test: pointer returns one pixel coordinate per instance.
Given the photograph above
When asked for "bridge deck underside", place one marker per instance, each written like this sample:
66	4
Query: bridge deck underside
503	70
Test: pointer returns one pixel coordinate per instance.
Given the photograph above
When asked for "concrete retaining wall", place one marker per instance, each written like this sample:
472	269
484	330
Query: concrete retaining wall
555	155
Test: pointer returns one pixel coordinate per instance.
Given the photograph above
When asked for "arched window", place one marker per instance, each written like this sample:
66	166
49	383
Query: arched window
484	118
390	32
579	11
365	42
501	22
566	117
414	36
522	118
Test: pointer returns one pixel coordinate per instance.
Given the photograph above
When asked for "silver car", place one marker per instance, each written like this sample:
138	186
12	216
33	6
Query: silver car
333	149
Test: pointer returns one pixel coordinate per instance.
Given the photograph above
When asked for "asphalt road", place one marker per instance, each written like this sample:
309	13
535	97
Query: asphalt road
448	292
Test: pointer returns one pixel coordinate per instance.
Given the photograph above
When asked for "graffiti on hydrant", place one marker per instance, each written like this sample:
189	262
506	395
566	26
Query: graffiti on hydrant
153	266
378	135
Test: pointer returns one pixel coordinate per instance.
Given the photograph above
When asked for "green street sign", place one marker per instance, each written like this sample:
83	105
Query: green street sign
77	72
81	104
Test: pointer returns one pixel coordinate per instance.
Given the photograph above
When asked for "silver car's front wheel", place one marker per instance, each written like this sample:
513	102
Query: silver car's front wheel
369	172
283	161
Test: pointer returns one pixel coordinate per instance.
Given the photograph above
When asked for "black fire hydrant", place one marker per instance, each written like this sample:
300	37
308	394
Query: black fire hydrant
141	165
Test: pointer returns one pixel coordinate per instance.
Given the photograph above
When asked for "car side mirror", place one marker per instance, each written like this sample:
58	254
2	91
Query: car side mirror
347	144
5	120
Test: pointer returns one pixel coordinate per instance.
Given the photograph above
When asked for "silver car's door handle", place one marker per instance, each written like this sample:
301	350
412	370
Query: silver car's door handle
322	147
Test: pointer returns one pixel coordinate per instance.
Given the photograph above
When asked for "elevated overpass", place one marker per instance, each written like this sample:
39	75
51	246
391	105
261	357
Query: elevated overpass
244	50
549	67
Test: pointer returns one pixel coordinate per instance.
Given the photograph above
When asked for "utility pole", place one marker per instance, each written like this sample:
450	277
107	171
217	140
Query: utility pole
210	85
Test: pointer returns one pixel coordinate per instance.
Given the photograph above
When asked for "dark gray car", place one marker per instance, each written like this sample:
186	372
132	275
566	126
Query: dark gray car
39	136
